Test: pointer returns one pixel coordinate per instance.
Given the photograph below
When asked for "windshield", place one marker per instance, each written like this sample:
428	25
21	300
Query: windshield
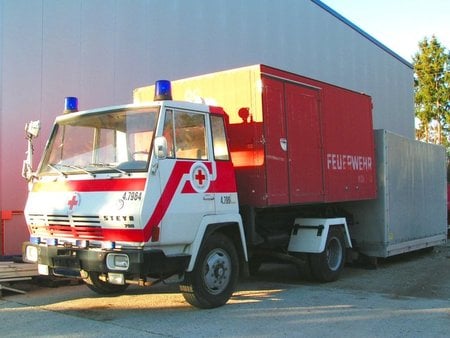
114	141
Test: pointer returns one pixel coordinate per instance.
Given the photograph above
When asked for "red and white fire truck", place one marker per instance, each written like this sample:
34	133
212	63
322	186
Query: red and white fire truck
184	190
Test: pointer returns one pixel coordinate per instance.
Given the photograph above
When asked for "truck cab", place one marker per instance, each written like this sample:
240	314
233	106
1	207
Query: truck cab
137	194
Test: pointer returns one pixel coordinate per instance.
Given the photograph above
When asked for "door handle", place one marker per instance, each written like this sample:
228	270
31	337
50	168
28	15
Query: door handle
283	143
208	197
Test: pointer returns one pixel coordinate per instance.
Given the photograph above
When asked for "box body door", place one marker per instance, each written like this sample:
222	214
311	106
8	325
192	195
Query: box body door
293	159
304	144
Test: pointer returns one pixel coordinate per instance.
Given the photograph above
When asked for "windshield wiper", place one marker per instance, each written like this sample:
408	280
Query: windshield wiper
109	166
53	166
80	169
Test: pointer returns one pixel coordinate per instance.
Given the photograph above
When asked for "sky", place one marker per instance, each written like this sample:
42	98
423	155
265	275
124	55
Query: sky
398	24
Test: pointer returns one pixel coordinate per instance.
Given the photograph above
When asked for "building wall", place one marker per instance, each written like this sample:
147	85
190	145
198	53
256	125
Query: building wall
100	50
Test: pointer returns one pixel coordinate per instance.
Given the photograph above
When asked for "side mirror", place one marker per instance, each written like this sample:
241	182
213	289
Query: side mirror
160	147
33	128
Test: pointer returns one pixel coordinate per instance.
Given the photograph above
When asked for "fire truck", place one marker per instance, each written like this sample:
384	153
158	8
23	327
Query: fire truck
243	166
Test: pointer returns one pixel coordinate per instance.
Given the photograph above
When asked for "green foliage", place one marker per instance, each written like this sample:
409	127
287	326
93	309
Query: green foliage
432	91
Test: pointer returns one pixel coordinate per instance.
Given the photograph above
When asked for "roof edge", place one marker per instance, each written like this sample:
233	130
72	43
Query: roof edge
362	32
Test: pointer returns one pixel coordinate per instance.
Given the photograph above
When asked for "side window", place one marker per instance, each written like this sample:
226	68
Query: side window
189	135
219	138
169	134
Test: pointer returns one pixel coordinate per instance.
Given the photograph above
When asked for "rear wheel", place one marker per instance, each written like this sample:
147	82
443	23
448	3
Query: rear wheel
215	274
94	283
327	266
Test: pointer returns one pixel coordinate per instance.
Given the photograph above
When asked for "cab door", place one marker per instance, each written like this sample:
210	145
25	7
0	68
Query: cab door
185	176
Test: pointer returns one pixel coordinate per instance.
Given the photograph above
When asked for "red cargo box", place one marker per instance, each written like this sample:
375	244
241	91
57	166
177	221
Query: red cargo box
293	140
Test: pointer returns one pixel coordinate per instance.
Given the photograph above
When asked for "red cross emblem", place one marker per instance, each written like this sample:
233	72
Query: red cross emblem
73	202
200	176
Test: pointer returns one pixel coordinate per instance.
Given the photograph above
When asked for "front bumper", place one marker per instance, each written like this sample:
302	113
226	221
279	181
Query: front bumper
71	262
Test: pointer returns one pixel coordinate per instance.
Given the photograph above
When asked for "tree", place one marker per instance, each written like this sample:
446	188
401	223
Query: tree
432	91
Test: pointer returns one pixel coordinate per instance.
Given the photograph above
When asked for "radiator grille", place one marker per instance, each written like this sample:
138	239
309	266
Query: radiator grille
68	226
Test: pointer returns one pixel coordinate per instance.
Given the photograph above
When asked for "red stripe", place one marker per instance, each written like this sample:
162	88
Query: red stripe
226	183
166	198
217	110
112	184
120	235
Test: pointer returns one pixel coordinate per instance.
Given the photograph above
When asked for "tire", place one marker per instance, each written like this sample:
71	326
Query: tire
327	266
94	283
253	265
306	271
214	277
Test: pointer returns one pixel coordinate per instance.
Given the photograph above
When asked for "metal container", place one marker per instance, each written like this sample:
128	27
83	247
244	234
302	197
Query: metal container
410	212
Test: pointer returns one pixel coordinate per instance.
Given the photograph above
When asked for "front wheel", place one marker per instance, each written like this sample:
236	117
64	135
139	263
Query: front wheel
327	266
94	283
214	277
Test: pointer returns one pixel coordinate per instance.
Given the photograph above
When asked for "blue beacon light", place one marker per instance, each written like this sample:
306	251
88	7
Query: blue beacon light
70	104
163	90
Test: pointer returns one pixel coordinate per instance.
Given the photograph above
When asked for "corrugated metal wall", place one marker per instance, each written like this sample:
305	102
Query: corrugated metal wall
99	50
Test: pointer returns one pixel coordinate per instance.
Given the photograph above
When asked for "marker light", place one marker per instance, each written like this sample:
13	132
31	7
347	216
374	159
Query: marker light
51	241
108	245
163	90
70	104
82	243
35	240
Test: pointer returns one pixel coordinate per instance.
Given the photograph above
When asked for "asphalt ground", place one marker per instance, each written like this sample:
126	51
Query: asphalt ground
405	296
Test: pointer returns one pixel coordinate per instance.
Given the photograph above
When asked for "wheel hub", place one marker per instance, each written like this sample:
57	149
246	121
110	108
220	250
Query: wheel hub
217	270
334	254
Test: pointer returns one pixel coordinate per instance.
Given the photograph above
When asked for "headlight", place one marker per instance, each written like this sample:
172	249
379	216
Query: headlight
31	254
116	261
